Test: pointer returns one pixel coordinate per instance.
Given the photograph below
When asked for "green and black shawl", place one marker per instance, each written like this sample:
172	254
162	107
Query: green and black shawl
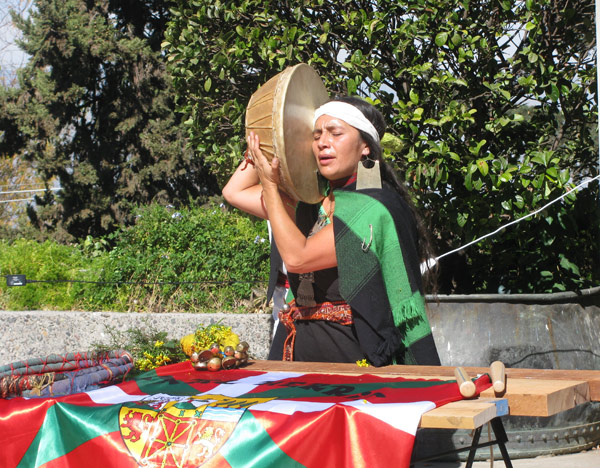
379	276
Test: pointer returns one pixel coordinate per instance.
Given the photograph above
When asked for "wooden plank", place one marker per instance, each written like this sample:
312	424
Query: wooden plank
537	397
443	372
526	396
464	414
590	376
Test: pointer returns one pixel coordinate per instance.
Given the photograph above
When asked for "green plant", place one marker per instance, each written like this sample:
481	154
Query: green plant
198	259
184	260
47	261
492	104
149	347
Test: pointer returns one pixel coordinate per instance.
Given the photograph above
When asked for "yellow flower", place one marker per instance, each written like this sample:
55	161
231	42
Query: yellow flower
158	344
231	339
203	337
188	344
362	363
143	364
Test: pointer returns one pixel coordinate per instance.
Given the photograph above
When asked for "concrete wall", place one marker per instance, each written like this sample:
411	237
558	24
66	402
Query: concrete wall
40	333
534	336
551	336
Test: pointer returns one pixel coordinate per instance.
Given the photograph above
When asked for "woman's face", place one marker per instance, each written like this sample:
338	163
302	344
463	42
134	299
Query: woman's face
337	147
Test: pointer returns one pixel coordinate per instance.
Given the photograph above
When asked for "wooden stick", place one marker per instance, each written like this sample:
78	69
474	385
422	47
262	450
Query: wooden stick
465	384
498	374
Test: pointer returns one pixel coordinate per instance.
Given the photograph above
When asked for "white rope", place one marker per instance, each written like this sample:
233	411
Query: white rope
432	261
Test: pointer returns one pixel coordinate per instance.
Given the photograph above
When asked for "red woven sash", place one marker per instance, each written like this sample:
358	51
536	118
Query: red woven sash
338	312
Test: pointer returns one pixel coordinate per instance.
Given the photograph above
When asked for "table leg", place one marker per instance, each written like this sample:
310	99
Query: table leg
501	439
474	447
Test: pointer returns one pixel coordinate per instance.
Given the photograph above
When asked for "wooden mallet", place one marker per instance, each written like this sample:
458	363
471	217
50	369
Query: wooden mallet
465	384
498	375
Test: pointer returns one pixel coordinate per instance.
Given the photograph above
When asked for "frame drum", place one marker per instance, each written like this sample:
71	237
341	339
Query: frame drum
281	113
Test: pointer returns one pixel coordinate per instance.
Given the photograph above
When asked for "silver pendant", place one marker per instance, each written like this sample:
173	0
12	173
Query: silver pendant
367	178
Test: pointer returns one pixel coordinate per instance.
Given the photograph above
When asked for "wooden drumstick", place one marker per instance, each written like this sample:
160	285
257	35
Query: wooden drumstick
465	384
498	374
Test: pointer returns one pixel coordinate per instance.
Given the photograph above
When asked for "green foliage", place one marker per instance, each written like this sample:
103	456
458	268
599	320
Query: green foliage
47	260
492	105
219	256
205	246
94	111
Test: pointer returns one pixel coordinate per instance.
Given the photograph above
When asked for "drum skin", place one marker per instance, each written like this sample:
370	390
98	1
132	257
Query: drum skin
281	113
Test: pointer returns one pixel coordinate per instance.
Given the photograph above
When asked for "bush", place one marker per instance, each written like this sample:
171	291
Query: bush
40	261
493	106
185	260
200	259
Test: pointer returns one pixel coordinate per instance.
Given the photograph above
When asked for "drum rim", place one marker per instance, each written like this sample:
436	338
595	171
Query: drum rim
313	194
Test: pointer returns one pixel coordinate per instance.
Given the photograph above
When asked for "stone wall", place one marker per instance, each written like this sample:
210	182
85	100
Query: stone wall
552	336
29	334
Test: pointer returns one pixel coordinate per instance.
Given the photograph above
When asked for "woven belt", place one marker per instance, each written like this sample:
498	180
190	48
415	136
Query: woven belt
338	312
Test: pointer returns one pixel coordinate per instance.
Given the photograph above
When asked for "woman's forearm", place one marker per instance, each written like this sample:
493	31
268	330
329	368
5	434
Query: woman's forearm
243	190
299	253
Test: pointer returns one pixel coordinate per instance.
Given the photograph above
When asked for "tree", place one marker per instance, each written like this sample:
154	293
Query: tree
18	185
95	111
16	175
493	104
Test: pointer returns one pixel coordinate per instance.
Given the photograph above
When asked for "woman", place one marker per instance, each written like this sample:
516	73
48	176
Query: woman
352	260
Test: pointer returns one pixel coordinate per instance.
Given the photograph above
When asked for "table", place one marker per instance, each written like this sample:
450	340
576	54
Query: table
293	413
529	392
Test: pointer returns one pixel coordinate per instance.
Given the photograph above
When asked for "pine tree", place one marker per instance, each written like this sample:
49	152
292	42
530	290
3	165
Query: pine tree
96	113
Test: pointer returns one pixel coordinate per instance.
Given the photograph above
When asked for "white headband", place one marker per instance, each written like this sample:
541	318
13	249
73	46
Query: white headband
349	114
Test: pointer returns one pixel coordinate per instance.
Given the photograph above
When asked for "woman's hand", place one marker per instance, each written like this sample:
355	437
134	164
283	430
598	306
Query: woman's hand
268	172
299	254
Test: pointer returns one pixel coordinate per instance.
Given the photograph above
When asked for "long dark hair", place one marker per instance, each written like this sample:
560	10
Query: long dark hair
390	176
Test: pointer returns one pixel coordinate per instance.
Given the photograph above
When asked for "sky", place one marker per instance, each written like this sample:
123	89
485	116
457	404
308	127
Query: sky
11	57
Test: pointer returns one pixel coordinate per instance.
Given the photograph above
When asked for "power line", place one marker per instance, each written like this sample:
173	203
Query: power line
32	184
28	191
16	200
21	280
148	283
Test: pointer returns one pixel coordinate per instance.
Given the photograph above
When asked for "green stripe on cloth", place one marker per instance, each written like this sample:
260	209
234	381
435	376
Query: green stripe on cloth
150	383
417	329
240	449
67	426
359	390
379	274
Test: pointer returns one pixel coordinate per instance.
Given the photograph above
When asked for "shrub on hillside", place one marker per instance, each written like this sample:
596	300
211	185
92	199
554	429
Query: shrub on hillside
196	259
55	263
205	259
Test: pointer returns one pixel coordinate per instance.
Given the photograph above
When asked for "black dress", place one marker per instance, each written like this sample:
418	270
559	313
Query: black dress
318	340
323	341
